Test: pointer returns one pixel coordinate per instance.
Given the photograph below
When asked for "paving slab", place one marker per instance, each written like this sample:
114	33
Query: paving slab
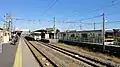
28	59
7	55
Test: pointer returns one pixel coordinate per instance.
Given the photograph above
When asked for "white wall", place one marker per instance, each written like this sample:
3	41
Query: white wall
37	37
5	38
46	36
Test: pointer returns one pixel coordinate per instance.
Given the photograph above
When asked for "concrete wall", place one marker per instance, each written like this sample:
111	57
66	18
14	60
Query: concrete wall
37	37
5	36
46	36
53	40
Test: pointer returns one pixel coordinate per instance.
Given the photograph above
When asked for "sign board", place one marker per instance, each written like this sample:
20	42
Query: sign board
49	29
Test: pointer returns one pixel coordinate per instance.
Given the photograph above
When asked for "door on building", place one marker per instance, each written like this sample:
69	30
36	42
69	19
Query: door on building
42	35
51	35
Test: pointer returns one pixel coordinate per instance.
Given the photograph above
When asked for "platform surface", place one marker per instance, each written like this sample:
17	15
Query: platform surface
28	59
17	55
8	55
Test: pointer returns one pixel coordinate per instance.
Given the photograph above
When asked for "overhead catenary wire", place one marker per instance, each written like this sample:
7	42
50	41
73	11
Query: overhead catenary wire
77	21
2	19
97	16
114	2
69	21
50	6
97	23
75	27
118	21
91	17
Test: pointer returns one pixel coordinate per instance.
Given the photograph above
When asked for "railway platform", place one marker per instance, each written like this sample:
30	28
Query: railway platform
24	57
7	55
18	55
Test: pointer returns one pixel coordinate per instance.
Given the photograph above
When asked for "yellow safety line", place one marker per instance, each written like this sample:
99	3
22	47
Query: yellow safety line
18	57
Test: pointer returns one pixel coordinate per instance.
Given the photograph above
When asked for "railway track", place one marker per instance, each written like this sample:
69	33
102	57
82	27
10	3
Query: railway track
52	61
88	60
55	62
42	59
58	59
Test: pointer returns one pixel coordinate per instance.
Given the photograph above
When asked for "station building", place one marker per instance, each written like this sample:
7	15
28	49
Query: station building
48	33
4	36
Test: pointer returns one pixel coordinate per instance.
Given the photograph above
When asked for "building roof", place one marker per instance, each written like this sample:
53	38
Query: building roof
40	31
50	29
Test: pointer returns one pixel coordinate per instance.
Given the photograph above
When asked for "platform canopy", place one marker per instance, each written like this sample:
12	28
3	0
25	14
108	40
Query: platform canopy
40	30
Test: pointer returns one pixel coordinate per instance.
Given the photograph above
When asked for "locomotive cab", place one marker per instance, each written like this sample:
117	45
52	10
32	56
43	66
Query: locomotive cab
109	37
109	42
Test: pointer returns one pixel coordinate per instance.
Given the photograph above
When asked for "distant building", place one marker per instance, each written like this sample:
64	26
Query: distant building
4	35
48	33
